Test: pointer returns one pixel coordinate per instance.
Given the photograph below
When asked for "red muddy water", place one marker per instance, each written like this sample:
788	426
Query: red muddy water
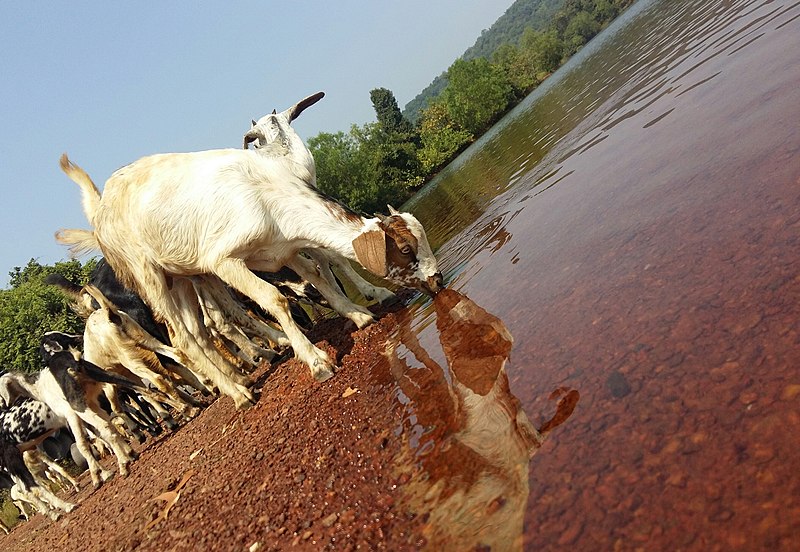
640	239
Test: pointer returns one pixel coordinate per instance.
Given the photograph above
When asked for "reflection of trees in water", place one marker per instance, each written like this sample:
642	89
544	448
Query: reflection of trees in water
469	441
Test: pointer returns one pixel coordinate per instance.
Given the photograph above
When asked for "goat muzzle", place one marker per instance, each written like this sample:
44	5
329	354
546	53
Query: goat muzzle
433	284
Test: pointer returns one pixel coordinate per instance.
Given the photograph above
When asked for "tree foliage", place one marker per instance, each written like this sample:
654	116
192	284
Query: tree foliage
383	162
372	165
390	119
441	137
509	27
477	91
542	50
29	308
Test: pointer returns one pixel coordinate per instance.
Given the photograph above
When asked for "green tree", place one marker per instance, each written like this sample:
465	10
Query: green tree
516	68
338	172
441	137
390	118
541	50
29	308
386	163
348	168
605	10
580	29
476	93
394	144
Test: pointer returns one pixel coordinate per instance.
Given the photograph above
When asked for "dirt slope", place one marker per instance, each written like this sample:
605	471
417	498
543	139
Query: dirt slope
308	466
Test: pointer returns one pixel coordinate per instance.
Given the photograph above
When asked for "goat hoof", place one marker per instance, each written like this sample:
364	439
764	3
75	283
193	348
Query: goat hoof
244	399
361	319
322	372
243	404
384	296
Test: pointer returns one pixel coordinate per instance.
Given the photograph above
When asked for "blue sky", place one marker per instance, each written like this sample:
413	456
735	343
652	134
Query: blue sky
110	82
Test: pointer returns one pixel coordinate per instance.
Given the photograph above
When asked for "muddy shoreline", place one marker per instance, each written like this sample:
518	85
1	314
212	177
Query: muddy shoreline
304	466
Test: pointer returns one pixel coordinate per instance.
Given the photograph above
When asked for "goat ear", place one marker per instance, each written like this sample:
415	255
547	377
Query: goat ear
299	107
392	210
370	248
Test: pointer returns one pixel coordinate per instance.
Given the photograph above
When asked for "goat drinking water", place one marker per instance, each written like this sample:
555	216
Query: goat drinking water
227	212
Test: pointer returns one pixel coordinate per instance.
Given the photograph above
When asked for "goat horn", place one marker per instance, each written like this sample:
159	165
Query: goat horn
299	107
250	136
252	123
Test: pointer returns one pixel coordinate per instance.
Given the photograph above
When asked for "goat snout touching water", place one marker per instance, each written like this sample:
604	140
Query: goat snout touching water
228	212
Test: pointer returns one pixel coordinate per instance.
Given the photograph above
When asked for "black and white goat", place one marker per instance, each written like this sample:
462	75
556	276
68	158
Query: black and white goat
126	404
70	388
20	423
228	212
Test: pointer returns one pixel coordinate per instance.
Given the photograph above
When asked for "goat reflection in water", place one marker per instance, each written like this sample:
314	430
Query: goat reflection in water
469	467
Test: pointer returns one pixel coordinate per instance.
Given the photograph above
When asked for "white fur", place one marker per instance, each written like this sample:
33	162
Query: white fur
224	212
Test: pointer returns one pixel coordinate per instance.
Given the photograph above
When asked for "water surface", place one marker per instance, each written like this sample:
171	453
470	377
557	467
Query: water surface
635	224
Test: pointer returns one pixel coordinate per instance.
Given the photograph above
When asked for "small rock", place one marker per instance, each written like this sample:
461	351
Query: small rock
618	385
328	521
347	517
790	392
722	514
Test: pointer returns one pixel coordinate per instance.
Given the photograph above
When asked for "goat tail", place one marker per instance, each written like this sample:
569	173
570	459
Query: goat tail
89	192
81	242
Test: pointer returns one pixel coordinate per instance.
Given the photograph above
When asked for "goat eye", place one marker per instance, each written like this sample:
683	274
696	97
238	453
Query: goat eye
405	250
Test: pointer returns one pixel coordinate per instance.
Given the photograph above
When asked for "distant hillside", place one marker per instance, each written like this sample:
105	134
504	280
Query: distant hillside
536	14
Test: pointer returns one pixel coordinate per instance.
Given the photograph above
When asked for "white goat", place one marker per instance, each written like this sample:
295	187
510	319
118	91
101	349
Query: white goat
274	135
116	342
226	212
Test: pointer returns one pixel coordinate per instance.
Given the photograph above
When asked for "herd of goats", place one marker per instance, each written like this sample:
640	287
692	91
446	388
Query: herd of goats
207	257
